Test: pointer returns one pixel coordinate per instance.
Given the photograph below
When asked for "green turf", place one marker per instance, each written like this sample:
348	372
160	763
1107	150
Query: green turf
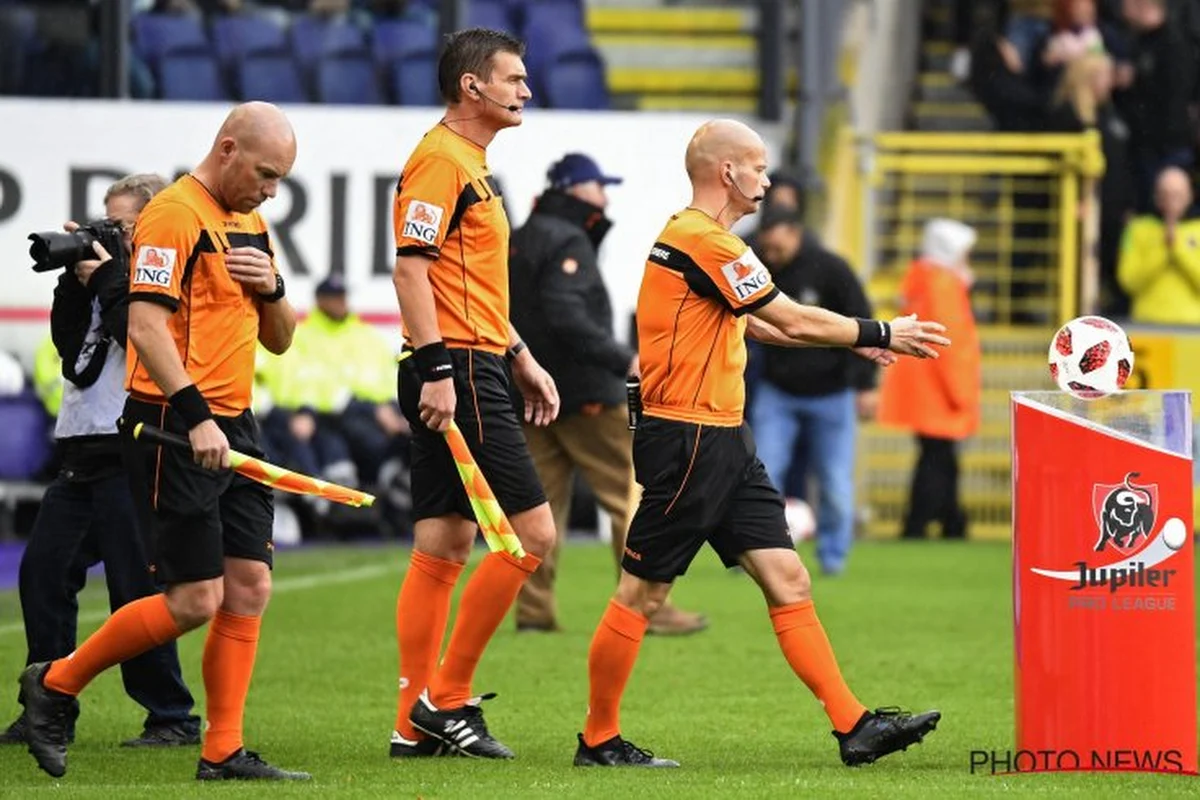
920	625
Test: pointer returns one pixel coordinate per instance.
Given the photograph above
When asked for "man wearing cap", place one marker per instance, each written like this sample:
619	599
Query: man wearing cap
813	396
562	308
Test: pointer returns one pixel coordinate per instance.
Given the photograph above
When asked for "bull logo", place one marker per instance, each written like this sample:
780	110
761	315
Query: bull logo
1125	513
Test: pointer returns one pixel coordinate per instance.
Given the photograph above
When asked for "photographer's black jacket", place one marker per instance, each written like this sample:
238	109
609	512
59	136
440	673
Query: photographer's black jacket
71	318
85	353
818	277
560	305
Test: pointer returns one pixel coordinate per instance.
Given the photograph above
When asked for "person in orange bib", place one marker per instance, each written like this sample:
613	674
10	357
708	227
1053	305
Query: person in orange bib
203	292
451	281
703	291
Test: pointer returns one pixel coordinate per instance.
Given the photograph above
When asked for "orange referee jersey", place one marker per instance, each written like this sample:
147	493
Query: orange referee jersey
699	281
448	208
179	245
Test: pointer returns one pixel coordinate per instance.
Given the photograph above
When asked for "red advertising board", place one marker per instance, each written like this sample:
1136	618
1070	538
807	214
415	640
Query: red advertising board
1103	596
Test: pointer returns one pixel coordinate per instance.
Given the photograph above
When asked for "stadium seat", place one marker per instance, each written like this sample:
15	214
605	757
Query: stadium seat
271	76
492	14
191	74
413	80
347	79
546	36
401	38
315	38
575	79
155	35
237	35
25	445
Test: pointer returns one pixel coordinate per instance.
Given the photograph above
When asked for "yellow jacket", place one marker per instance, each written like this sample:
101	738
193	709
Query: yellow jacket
329	364
47	376
1162	281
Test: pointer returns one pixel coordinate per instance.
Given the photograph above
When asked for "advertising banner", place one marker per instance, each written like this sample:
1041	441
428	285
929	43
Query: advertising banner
1103	583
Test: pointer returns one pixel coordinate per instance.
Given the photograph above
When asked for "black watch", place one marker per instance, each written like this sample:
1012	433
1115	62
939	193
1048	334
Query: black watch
277	295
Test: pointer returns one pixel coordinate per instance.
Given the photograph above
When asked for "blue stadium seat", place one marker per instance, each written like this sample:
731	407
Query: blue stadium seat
237	35
191	74
271	76
314	38
413	80
24	436
492	14
348	79
155	35
575	79
401	38
546	36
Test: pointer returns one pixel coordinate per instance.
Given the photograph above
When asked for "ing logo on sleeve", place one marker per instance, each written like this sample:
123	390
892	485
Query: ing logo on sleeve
746	276
422	221
154	266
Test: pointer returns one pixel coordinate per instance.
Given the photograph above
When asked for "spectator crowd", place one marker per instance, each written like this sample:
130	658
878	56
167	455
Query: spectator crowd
1129	70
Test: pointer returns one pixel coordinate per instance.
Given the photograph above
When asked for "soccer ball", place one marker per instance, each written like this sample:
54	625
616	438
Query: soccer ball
800	520
1091	357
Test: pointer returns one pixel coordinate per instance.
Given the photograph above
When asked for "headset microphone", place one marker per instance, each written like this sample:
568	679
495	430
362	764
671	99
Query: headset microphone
475	89
756	199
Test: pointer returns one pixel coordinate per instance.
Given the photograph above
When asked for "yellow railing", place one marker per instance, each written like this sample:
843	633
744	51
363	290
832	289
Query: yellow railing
1028	196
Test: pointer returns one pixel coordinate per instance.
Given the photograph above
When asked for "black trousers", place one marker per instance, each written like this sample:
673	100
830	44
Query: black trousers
79	524
934	494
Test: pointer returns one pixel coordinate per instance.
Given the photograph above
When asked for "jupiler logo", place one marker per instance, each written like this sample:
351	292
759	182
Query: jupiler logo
1125	514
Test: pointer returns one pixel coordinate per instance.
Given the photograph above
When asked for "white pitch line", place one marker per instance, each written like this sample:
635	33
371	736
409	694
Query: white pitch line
281	586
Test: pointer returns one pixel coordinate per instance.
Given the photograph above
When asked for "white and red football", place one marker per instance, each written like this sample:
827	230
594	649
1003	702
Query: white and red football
1091	357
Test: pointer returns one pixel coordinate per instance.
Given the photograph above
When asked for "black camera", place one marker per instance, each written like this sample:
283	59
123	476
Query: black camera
58	249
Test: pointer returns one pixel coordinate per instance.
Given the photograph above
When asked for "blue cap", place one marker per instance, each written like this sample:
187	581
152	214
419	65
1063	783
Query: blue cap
334	284
576	168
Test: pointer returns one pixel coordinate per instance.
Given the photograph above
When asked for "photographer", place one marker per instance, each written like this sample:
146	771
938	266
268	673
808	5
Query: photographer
87	514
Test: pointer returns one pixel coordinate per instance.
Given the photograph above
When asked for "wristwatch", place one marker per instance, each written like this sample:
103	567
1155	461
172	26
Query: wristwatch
277	295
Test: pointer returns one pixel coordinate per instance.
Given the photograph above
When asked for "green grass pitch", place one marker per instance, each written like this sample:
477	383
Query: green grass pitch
922	625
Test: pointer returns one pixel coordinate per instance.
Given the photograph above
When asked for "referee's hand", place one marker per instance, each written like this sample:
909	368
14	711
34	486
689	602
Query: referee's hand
210	448
538	389
437	404
914	337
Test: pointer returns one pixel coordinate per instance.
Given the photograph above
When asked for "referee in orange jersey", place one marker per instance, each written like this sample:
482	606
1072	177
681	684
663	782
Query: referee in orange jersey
203	293
451	281
703	291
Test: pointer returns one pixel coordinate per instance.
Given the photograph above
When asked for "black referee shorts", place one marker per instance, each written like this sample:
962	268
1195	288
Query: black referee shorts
489	423
193	518
700	483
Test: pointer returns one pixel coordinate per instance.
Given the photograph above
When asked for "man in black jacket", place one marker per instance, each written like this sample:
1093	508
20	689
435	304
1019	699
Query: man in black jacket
87	514
561	307
814	395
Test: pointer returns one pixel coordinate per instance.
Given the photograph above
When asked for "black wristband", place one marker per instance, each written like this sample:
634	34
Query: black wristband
515	350
191	405
873	333
278	294
433	362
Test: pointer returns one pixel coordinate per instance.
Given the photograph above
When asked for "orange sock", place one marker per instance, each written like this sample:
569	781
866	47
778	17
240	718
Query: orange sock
486	599
130	631
422	608
807	649
227	665
610	663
